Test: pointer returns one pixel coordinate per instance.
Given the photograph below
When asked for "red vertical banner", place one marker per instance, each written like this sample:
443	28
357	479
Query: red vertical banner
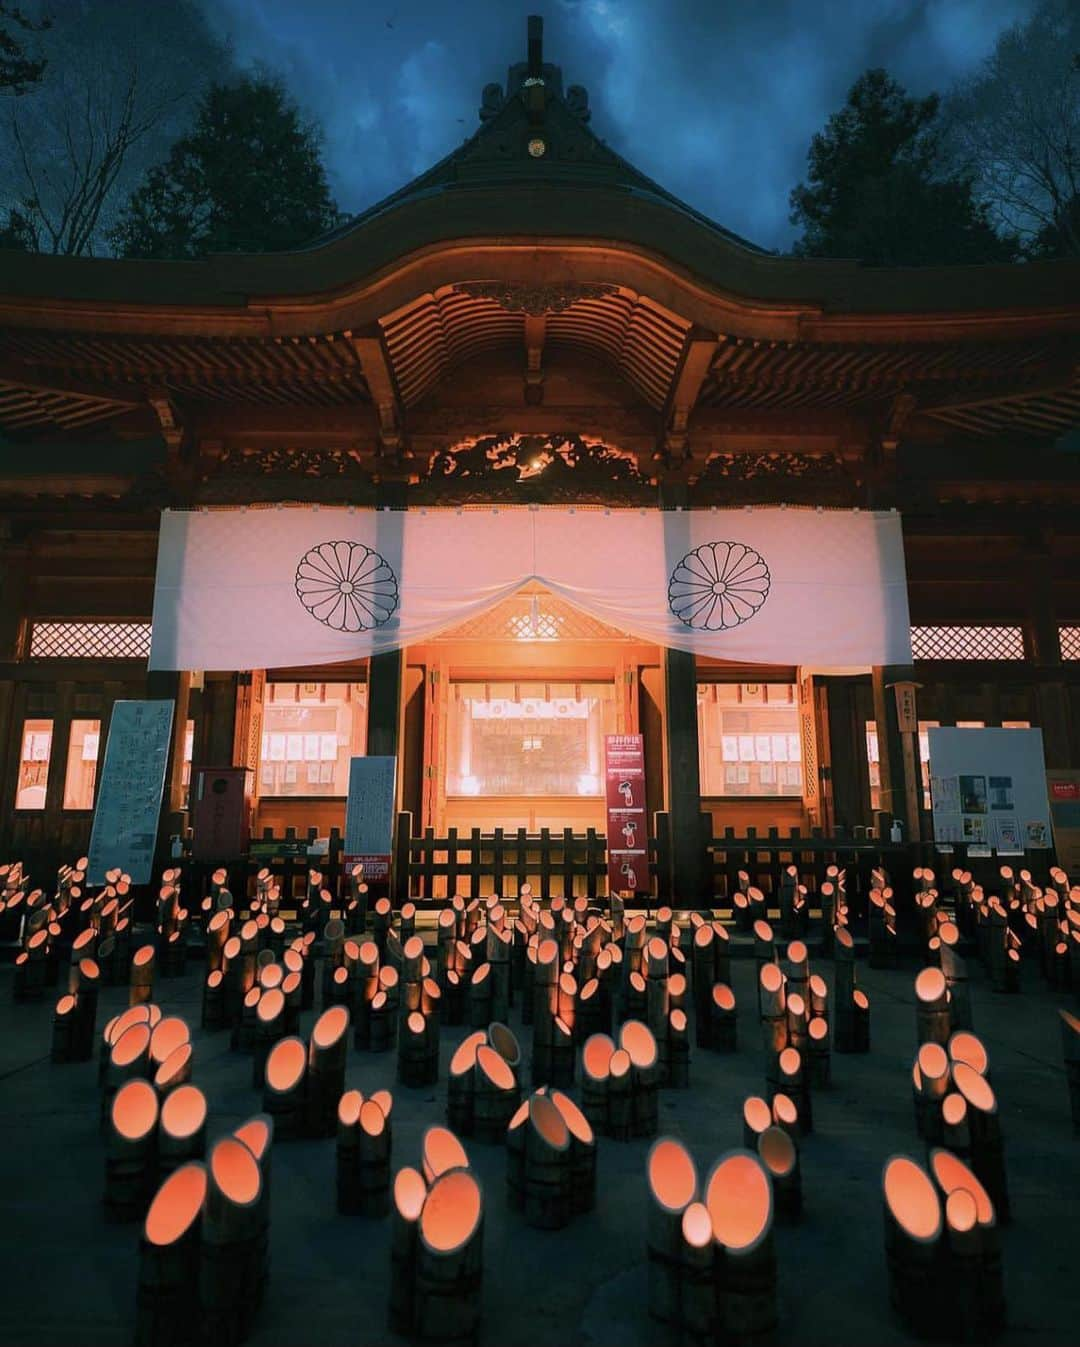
627	829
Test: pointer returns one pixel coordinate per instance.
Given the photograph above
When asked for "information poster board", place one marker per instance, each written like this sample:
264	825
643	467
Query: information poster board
369	816
128	806
627	830
1063	785
988	790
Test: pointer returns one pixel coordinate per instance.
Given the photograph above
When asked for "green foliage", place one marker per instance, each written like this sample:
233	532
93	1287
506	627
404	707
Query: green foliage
248	177
877	191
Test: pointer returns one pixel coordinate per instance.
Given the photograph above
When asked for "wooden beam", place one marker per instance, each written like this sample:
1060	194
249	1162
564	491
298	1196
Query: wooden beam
1060	380
16	374
697	360
377	370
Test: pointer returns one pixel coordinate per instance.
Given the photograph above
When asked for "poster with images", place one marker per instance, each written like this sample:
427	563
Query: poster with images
1009	840
974	828
973	794
948	828
1001	792
945	794
1037	834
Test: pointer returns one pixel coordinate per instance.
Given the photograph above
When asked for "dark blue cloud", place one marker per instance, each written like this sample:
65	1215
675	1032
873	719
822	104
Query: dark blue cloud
715	99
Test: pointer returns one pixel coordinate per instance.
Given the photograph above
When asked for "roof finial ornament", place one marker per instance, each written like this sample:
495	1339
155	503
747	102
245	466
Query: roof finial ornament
536	50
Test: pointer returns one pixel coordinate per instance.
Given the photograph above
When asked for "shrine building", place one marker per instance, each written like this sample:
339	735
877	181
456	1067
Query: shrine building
530	454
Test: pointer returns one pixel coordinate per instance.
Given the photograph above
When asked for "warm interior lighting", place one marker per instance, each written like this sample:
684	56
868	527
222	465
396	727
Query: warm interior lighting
330	1026
495	1067
912	1199
452	1211
441	1151
177	1204
410	1190
678	1020
739	1199
235	1171
184	1111
135	1110
672	1176
285	1064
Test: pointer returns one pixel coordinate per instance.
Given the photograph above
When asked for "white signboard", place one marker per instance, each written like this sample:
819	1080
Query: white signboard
988	790
369	812
129	799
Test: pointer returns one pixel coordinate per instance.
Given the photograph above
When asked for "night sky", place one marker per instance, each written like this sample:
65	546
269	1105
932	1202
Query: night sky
715	99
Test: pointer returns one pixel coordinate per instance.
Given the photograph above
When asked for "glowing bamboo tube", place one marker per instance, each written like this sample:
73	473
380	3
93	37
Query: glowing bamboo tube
85	979
174	1071
976	1295
232	1270
638	1041
181	1128
269	1029
440	1151
449	1260
563	1053
931	1083
595	1070
169	1034
460	1084
409	1195
129	1057
131	1160
987	1146
672	1185
932	1007
620	1096
757	1118
955	972
63	1029
738	1196
142	976
785	1114
844	1015
548	1196
780	1156
582	1153
496	1095
285	1087
913	1228
791	1080
167	1300
860	1007
1070	1049
326	1070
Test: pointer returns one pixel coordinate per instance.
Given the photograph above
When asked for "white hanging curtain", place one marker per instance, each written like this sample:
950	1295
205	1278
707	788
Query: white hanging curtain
266	588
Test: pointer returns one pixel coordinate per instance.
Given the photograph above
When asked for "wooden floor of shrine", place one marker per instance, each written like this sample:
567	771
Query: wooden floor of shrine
69	1277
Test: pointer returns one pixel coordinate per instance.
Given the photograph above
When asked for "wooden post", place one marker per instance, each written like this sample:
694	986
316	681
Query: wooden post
687	884
901	788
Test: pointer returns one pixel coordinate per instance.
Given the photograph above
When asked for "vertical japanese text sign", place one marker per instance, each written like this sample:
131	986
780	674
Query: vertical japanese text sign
627	831
369	815
124	830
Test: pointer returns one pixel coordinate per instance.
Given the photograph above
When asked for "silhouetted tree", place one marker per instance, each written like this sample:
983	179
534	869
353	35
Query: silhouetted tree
18	70
248	177
877	190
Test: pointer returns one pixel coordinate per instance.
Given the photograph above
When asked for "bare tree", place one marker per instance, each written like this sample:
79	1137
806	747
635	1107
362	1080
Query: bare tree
121	83
1015	126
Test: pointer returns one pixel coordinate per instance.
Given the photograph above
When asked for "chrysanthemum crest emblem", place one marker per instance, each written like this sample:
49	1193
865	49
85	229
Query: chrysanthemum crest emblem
347	586
718	586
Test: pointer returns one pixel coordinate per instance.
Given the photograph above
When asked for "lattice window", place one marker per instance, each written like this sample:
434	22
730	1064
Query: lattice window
533	617
967	642
1069	640
90	640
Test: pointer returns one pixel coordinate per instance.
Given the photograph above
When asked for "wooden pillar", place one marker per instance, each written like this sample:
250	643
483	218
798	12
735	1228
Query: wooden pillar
898	755
847	752
684	778
384	703
14	573
1044	650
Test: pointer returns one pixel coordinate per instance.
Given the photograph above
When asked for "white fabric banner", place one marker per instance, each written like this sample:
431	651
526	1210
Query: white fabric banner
268	588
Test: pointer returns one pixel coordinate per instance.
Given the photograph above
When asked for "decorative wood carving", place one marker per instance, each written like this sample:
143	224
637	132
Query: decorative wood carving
534	299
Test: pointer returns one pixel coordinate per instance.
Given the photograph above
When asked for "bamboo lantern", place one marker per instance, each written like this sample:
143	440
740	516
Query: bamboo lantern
269	1029
548	1166
181	1128
441	1151
563	1053
679	1050
932	1007
326	1070
930	1079
785	1114
460	1085
764	952
367	987
772	1009
722	1018
697	1289
983	1287
582	1153
964	1046
672	1183
797	1019
595	1072
292	989
232	1270
1070	1048
142	976
495	1094
174	1071
819	996
620	1096
636	1039
118	1025
417	1064
83	983
845	1015
410	1193
987	1146
545	1007
64	1029
954	1123
131	1160
285	1087
449	1260
913	1228
243	1030
860	1021
363	1156
956	979
792	1082
167	1296
257	1134
738	1196
817	1061
169	1034
213	1002
780	1156
757	1118
129	1058
704	976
